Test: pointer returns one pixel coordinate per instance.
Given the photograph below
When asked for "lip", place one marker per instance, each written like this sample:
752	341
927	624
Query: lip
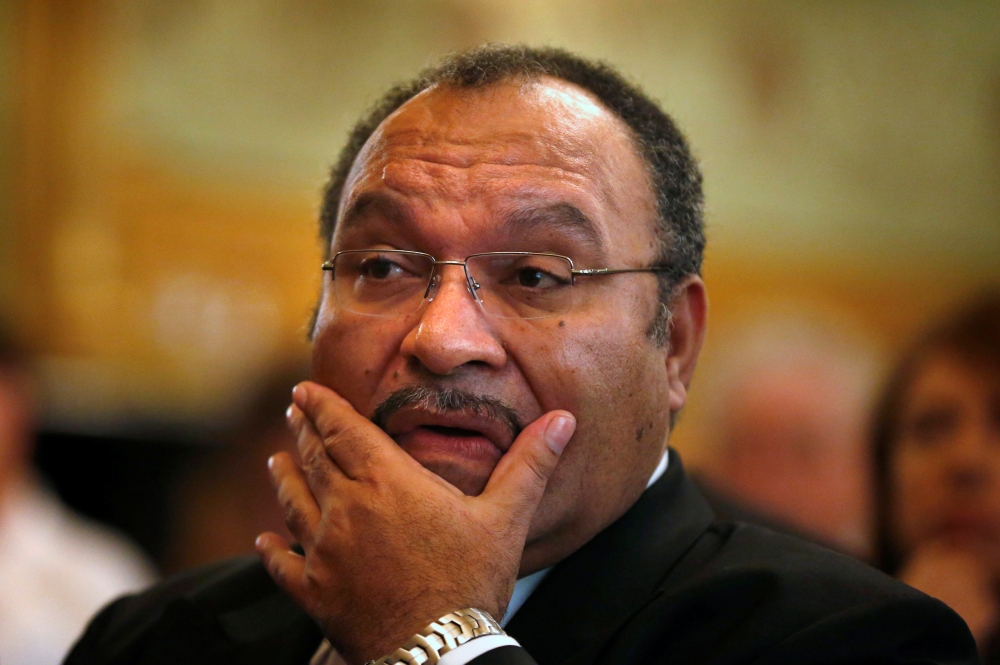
410	420
969	523
967	526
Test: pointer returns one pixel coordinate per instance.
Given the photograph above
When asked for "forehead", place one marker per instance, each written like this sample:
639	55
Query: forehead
948	370
513	144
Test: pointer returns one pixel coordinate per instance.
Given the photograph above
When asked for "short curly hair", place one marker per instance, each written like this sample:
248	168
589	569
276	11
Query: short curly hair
673	171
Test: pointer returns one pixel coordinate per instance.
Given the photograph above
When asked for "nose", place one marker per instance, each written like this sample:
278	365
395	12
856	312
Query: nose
969	463
453	331
437	276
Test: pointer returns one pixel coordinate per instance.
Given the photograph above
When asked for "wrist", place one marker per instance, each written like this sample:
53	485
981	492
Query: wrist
439	637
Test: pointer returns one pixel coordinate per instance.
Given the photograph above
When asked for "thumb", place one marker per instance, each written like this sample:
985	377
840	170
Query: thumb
519	480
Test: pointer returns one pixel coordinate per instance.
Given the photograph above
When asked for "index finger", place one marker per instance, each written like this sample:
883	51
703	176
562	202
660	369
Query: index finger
353	441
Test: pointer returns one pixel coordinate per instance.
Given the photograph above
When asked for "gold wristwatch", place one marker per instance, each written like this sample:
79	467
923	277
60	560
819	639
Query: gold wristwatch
439	637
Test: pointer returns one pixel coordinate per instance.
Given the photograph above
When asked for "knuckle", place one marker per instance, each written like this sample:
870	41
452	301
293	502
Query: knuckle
305	445
327	423
341	437
540	469
319	477
316	458
277	572
284	497
353	442
333	440
294	518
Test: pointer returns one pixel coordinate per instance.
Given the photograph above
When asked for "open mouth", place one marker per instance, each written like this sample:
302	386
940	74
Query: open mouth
460	448
452	431
448	415
446	446
460	431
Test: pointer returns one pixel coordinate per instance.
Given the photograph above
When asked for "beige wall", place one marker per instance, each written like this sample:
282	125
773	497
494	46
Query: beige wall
167	158
6	140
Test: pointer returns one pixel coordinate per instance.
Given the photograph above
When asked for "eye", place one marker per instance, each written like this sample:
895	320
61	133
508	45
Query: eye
540	277
932	426
532	277
379	267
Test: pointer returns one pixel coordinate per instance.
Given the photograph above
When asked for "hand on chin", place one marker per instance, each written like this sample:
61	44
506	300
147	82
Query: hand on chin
375	528
468	475
464	458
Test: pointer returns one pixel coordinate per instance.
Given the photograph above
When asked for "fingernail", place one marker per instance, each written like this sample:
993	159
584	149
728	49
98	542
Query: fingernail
270	463
299	394
288	412
559	432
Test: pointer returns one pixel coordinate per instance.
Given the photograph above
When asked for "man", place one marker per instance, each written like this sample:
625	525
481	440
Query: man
783	423
511	319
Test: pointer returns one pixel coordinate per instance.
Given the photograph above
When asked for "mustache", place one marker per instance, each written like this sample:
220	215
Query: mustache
443	400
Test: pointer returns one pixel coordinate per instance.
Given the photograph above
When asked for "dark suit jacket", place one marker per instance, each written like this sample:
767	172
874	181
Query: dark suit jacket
666	583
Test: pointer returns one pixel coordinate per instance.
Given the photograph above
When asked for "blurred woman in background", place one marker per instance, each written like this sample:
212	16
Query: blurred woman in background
937	468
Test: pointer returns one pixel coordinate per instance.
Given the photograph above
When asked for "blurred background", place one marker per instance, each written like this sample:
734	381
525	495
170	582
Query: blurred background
160	171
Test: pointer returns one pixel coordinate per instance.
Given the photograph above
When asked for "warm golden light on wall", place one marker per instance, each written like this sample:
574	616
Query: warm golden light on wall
166	161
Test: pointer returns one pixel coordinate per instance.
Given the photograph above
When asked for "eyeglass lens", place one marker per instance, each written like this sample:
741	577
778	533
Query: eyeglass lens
507	285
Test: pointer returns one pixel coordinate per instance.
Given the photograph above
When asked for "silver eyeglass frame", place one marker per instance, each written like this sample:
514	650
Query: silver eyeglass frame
330	266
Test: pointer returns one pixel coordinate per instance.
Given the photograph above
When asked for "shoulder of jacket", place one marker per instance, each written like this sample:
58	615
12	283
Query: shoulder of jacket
196	605
798	568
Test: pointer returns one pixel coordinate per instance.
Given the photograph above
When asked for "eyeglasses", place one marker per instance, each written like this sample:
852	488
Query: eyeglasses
507	285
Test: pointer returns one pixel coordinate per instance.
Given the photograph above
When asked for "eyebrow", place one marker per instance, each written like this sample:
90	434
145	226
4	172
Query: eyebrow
561	216
368	202
565	217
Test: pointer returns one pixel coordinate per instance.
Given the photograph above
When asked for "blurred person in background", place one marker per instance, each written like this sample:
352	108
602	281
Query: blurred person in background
787	406
56	568
937	462
226	499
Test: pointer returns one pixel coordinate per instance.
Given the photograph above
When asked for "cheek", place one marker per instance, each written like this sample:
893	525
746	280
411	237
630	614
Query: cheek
994	480
589	368
917	495
351	355
615	384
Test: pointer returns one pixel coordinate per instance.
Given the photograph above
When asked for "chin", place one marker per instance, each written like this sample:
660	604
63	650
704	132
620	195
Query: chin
469	481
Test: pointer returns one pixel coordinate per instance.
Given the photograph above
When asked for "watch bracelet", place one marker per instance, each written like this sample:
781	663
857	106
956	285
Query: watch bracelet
439	637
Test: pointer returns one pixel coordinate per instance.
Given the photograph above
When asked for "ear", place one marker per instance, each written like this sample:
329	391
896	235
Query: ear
689	314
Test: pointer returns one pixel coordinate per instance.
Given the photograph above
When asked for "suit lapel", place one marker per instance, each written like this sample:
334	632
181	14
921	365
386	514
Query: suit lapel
588	596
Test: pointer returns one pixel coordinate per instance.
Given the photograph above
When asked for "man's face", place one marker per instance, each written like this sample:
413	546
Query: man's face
538	167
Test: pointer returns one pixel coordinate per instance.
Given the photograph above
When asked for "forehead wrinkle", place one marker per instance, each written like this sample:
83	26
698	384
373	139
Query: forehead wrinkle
426	151
449	147
424	176
387	206
444	137
430	181
565	216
